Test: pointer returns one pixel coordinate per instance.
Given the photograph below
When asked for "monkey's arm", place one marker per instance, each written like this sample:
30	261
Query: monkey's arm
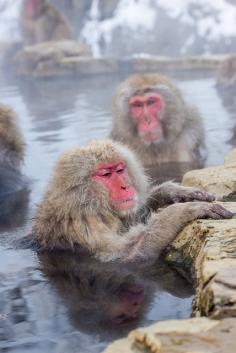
169	192
148	241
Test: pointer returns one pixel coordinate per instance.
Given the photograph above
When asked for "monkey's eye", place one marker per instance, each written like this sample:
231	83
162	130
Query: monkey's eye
120	170
137	104
106	174
151	101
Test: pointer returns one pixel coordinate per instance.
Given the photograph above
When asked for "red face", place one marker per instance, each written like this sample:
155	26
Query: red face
33	7
146	112
114	177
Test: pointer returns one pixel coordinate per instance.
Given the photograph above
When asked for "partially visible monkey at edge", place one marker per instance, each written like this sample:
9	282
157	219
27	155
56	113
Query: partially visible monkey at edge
13	184
41	22
151	116
96	199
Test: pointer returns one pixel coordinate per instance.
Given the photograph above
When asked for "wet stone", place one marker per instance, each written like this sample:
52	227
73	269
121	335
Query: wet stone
49	58
199	335
219	181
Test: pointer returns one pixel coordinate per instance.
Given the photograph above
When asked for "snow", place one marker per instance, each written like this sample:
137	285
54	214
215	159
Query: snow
211	20
216	18
129	13
9	29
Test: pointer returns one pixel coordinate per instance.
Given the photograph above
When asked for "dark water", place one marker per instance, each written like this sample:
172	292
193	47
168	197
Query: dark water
57	303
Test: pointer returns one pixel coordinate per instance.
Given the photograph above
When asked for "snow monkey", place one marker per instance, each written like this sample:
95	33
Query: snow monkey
11	139
151	116
41	22
94	197
14	190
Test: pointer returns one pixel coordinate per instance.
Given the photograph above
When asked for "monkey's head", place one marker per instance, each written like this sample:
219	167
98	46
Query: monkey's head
100	178
150	107
34	8
11	139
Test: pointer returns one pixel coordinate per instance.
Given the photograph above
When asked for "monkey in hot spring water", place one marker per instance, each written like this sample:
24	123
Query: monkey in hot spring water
13	184
96	200
151	117
40	22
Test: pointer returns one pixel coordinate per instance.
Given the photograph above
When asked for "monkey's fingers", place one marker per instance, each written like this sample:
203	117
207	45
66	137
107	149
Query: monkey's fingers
218	212
202	196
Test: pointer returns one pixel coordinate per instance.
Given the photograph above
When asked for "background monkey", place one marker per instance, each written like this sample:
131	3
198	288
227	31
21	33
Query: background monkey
41	22
93	200
11	139
13	185
151	116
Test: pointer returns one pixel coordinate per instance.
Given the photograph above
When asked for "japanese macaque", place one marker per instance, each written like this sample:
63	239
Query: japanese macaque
13	185
95	201
11	140
42	22
151	116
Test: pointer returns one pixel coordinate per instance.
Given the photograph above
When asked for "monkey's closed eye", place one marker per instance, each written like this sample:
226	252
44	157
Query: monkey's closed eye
120	170
106	174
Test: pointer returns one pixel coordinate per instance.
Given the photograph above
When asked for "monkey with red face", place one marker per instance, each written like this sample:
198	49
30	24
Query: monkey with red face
42	22
94	197
151	116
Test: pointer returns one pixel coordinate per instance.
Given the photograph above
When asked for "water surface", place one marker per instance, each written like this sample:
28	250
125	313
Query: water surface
76	310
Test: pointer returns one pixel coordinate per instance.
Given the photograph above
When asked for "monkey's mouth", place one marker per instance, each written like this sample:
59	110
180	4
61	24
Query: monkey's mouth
126	204
151	137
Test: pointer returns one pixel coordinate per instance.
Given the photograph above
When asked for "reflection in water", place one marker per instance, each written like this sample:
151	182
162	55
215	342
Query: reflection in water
14	198
64	304
108	299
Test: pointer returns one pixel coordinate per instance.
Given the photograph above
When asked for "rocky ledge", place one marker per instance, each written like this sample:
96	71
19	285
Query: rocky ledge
67	58
198	335
206	250
219	181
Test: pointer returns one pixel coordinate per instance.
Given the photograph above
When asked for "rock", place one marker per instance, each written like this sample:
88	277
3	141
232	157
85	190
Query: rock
211	246
155	63
219	181
231	157
49	58
198	335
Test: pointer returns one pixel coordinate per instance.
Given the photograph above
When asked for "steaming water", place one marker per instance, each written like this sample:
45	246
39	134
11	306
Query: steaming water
38	313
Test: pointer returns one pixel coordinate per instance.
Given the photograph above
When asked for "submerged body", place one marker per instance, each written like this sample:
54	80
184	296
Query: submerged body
13	184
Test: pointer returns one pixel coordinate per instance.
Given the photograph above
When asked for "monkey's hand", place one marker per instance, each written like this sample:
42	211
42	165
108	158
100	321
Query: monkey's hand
186	194
169	192
165	225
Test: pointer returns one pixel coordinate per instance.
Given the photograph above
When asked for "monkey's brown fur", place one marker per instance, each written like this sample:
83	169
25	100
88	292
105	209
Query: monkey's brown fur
76	210
50	25
182	124
11	140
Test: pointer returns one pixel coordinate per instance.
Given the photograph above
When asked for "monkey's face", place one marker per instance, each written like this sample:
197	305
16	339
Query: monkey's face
146	112
34	8
115	179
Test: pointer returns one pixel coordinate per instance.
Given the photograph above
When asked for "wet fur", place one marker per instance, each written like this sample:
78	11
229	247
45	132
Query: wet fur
11	139
50	25
182	124
76	211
